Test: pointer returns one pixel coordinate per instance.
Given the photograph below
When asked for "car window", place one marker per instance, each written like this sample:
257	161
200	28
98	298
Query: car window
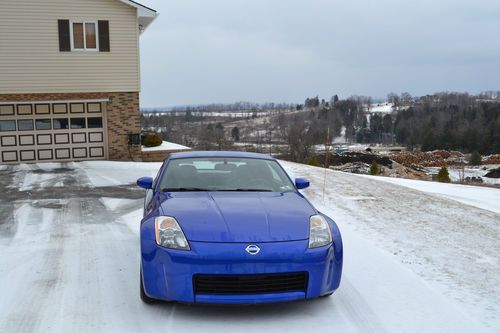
225	174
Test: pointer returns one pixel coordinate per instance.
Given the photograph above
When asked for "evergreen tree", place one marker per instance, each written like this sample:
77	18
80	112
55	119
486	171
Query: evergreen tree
475	158
450	121
374	169
443	175
235	133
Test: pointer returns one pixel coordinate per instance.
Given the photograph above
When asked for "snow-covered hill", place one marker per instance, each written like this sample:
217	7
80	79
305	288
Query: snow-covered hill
414	261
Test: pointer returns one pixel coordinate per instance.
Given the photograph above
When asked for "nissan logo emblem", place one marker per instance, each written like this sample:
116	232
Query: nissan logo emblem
252	249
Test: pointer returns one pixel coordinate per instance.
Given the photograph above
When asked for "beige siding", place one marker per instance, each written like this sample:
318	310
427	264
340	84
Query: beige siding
30	60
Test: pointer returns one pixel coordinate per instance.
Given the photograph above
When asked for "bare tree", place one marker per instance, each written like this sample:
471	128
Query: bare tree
394	99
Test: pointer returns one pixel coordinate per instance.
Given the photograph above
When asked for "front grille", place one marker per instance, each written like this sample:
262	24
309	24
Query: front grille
250	284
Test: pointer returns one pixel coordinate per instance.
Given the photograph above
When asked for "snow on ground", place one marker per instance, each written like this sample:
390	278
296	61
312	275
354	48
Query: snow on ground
453	247
170	146
341	138
477	196
478	171
116	204
381	108
414	262
35	178
105	173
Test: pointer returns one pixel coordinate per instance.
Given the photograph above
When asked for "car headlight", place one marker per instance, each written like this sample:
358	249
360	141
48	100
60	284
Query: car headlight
169	234
319	232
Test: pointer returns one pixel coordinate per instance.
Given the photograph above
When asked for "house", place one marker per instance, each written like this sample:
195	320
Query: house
70	79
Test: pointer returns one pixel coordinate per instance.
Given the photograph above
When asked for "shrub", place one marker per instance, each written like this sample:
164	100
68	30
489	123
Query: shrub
443	175
313	161
374	169
475	158
153	140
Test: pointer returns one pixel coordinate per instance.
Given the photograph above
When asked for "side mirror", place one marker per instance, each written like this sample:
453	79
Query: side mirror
301	183
145	182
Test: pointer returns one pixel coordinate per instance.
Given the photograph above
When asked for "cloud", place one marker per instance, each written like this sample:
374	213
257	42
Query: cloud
201	51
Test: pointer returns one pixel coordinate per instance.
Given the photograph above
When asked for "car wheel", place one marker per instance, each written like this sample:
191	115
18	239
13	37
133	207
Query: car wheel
145	298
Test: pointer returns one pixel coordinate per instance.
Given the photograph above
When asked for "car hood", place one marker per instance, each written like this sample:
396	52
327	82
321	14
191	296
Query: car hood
231	217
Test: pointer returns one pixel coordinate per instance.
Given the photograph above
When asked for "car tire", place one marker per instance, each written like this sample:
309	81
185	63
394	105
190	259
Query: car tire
145	298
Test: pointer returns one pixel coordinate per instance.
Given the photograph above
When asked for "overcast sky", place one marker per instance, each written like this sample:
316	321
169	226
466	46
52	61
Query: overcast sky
210	51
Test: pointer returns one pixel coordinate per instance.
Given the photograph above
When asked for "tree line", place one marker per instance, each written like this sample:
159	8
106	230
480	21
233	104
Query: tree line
440	121
450	121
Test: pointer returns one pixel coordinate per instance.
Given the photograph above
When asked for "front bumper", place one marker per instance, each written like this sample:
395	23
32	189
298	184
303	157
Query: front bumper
168	274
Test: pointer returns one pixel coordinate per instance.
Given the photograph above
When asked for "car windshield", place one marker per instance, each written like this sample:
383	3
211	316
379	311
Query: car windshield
224	174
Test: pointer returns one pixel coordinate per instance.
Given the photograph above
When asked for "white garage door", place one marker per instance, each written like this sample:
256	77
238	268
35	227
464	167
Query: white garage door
52	131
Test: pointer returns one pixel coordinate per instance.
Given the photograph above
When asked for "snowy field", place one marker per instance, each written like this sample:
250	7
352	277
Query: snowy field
419	256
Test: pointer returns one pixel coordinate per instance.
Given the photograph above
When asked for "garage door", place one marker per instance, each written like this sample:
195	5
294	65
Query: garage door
52	131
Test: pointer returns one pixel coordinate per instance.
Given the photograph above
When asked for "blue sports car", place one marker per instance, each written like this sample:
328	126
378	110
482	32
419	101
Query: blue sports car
231	227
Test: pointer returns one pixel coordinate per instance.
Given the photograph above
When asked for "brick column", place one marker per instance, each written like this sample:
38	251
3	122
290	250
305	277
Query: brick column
123	117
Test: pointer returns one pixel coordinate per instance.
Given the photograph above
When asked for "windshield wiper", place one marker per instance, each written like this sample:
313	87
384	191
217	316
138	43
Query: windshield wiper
185	189
249	190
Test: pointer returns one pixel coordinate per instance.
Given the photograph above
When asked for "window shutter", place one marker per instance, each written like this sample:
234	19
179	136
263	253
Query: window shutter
103	36
64	38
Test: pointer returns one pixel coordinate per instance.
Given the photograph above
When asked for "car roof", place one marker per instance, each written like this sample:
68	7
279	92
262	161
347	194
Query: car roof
240	154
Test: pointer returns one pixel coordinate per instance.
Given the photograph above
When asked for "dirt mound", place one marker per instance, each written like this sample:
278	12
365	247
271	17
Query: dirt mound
492	159
436	158
396	170
401	171
355	167
352	157
495	173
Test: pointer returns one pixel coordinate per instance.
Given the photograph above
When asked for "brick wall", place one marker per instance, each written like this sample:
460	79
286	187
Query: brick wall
154	156
158	155
123	117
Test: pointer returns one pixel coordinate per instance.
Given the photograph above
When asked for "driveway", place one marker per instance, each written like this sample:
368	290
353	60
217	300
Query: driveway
69	262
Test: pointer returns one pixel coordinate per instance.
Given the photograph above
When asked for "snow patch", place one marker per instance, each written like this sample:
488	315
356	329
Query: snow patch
170	146
115	204
133	220
106	173
381	108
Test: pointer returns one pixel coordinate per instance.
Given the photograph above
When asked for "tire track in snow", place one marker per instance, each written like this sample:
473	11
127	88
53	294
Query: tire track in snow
38	276
7	225
356	310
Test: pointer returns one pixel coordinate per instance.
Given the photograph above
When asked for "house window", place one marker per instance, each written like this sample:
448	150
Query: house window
25	125
95	122
61	123
7	125
42	124
77	123
84	36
